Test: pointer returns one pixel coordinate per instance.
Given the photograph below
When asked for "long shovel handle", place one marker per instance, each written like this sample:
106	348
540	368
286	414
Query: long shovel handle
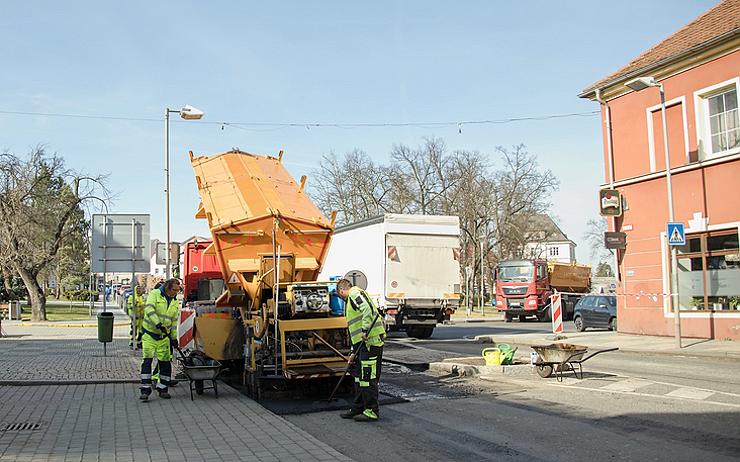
318	337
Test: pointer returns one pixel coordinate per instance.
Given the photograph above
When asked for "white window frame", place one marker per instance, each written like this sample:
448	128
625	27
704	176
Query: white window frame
701	110
553	251
651	130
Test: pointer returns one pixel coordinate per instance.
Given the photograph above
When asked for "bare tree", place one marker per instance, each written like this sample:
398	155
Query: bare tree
497	202
40	199
594	237
521	192
355	187
424	173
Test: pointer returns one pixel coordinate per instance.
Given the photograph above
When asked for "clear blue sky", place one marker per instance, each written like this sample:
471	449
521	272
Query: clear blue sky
332	61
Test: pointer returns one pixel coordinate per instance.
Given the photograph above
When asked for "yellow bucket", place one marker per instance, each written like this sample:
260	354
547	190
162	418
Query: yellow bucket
492	356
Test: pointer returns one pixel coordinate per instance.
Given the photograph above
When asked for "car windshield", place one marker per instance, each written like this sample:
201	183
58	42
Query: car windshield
522	273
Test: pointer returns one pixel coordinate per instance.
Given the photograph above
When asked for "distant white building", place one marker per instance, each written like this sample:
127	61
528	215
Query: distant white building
549	242
154	268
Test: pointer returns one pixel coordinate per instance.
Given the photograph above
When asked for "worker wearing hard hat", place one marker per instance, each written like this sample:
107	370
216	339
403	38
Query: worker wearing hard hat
366	334
136	303
160	332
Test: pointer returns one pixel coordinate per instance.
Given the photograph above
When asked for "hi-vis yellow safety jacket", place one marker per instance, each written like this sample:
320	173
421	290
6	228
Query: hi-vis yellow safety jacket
158	311
361	312
139	299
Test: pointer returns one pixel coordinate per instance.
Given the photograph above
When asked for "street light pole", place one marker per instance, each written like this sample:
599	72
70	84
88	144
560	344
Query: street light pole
188	113
638	84
167	186
669	185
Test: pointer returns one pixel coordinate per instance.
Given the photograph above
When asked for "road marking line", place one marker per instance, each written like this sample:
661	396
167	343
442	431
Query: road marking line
631	384
726	393
690	393
646	395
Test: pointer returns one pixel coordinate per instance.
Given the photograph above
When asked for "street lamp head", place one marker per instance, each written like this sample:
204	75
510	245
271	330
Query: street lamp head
190	113
641	83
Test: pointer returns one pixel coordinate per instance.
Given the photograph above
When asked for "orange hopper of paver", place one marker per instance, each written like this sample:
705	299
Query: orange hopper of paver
255	210
258	215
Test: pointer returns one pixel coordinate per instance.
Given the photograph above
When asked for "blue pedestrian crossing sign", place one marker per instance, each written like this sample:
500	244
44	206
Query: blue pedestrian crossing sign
676	234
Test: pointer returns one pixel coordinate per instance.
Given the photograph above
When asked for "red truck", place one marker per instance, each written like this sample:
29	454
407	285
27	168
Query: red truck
202	279
523	287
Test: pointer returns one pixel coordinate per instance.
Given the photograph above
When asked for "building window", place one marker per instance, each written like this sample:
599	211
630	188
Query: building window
717	119
709	271
723	121
553	251
156	270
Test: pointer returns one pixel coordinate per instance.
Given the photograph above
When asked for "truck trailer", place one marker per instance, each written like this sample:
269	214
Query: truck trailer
524	287
410	264
273	318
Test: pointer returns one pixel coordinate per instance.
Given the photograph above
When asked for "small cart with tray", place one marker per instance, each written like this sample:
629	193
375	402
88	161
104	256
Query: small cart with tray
560	357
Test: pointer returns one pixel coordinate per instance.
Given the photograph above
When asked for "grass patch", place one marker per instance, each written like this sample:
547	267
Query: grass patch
61	311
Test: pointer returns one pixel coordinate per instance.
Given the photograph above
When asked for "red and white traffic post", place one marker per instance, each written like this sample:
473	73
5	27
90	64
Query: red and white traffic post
556	310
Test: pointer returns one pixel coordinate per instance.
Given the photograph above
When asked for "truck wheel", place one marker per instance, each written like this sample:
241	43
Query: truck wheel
613	324
522	317
545	315
420	332
508	318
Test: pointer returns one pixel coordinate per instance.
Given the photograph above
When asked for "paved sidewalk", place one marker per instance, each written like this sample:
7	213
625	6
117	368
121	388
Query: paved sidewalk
33	361
725	349
108	423
86	407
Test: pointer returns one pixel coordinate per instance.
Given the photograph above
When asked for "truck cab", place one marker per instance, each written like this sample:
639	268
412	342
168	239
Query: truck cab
522	289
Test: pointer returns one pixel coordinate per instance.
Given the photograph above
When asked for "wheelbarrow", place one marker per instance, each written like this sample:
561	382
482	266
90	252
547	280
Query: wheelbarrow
199	369
560	357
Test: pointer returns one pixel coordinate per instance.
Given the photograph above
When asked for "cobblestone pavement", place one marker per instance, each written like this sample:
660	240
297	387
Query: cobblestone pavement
84	409
66	360
108	423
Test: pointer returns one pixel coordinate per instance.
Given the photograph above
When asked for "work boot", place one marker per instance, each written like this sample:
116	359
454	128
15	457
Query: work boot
367	416
349	414
164	395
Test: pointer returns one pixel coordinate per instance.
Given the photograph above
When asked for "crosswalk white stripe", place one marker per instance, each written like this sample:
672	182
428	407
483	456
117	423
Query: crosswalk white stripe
627	385
690	393
646	395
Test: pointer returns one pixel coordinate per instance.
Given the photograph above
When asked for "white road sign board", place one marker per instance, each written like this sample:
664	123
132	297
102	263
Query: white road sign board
120	243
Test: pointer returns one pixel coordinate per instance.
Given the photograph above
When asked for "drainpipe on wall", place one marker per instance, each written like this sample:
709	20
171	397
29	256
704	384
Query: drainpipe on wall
610	160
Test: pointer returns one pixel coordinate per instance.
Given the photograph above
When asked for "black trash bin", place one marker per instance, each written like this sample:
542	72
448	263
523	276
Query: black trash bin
105	327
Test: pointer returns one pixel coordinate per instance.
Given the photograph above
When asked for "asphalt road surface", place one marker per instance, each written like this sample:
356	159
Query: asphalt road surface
628	407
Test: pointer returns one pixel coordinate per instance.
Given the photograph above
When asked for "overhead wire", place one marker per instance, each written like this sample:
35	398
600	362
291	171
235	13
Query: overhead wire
272	126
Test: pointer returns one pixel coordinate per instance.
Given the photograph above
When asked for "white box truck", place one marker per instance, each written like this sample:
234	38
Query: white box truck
410	264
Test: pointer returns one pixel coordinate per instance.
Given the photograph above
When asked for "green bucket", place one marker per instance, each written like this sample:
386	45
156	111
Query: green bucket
105	327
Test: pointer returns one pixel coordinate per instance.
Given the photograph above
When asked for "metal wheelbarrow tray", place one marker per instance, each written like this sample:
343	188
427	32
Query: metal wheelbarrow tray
559	357
197	374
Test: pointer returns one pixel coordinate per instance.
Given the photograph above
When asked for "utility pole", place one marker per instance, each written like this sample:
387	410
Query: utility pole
481	274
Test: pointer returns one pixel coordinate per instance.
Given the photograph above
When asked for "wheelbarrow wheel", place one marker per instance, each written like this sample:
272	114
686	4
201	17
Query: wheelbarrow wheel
544	370
199	387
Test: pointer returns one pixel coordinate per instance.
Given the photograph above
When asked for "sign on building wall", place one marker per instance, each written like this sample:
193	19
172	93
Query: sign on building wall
610	202
615	240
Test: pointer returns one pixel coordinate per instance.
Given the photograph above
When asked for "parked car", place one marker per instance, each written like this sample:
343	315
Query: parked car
596	311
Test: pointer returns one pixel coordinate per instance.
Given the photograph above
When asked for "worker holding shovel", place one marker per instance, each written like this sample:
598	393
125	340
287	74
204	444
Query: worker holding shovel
366	334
